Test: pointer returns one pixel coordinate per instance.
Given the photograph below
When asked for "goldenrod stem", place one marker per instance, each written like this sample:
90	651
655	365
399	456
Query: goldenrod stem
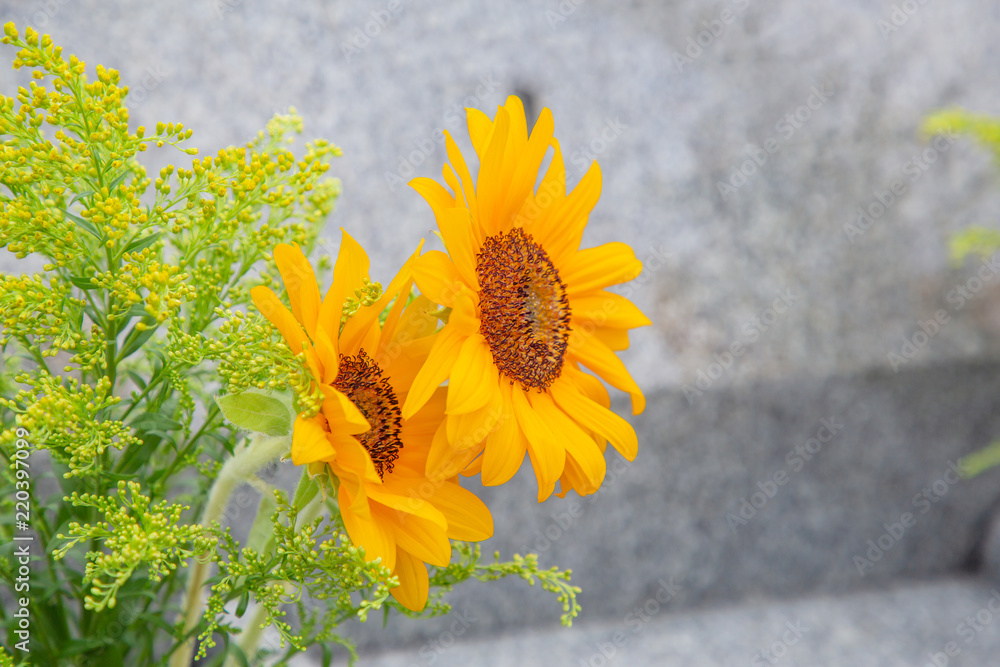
258	451
253	630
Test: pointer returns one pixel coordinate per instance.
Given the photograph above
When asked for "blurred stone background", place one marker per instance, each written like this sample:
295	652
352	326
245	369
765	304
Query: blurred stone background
677	100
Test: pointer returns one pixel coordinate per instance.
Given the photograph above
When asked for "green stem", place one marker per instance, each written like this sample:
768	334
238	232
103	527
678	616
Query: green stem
254	628
246	461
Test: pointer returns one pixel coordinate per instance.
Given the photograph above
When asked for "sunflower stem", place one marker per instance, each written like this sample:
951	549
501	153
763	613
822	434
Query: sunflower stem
257	451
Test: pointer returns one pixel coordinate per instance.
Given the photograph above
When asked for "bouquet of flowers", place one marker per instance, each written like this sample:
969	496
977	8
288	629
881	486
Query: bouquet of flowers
176	343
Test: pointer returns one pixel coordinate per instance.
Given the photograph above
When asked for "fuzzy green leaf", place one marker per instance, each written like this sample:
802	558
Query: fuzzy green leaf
256	412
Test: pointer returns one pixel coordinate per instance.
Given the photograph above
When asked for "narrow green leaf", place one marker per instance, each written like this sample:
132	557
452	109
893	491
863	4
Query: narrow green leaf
980	461
77	197
152	421
305	491
257	412
143	242
134	340
84	224
139	381
82	283
241	608
261	537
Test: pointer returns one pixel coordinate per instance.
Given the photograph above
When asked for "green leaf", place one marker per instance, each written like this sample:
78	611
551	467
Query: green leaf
257	412
144	242
135	339
980	461
84	224
152	421
261	537
82	283
241	608
305	491
139	381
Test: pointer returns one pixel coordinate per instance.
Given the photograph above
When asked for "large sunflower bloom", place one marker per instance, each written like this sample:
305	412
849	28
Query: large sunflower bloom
364	369
528	309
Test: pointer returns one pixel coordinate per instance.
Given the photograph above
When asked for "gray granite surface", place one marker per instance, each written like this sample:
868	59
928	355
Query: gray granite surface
665	131
952	622
673	98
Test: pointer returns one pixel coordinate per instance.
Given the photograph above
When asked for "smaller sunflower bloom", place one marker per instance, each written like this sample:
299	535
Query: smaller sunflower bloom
528	311
364	368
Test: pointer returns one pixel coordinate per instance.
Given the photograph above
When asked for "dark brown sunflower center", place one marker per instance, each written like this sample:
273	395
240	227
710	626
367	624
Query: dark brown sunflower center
361	380
525	312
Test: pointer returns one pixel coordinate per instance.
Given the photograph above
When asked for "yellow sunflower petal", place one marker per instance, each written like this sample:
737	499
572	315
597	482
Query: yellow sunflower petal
270	306
526	172
309	442
563	229
589	385
353	460
300	283
424	424
349	274
579	446
474	378
437	277
491	184
422	538
480	127
435	370
328	356
473	467
467	515
547	451
406	500
441	459
517	136
607	310
462	240
456	187
464	316
458	164
377	540
414	584
597	268
505	445
596	417
344	416
434	193
597	357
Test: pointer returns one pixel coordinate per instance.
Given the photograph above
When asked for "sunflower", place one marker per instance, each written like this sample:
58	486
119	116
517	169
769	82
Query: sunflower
528	311
364	368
